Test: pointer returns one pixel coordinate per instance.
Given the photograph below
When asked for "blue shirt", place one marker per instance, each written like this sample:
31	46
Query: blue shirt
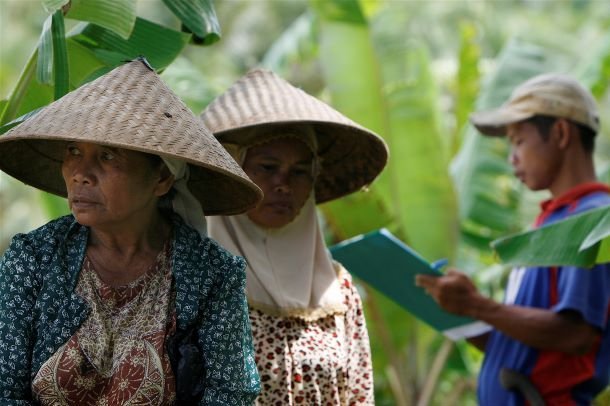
559	377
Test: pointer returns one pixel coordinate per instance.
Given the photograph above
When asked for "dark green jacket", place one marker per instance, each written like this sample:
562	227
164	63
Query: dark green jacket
211	352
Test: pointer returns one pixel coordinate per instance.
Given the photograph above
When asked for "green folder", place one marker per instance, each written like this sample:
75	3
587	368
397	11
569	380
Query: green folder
388	265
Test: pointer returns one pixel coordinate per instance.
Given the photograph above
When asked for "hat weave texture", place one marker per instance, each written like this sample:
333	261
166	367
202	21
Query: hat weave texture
351	155
131	108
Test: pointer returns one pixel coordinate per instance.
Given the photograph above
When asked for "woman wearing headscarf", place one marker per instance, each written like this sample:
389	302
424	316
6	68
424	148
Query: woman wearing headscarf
309	331
125	301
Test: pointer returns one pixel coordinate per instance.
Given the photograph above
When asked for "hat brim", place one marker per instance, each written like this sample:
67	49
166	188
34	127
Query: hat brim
45	156
129	108
350	156
494	122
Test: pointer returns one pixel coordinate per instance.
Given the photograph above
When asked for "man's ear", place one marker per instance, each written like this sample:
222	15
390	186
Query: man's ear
165	182
563	132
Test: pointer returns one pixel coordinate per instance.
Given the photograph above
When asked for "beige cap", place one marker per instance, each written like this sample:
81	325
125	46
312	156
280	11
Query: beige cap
549	94
129	107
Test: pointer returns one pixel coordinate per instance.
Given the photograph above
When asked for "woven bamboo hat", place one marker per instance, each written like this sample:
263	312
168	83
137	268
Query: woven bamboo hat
131	108
351	156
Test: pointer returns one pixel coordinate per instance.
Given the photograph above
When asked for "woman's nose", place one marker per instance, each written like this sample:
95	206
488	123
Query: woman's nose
80	171
282	183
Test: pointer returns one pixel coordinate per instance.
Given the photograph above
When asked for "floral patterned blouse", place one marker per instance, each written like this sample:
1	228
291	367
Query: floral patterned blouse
321	362
41	311
117	356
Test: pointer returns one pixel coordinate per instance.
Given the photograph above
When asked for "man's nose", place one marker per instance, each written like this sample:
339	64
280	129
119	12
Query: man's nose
512	157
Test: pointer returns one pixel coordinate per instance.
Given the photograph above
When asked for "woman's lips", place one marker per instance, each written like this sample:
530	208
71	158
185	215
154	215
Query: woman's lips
79	202
281	206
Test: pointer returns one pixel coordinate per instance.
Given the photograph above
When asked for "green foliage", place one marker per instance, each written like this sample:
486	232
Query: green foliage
467	80
118	16
547	246
199	17
112	35
160	45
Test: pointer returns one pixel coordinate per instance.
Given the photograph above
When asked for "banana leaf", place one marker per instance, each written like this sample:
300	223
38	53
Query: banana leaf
352	78
467	80
53	5
92	51
588	243
61	73
160	45
199	18
118	16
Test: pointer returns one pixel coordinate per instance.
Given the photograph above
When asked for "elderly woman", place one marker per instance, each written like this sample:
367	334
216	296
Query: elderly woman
125	301
309	331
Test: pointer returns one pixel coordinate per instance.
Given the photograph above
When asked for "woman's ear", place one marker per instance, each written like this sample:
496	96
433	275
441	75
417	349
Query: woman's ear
165	181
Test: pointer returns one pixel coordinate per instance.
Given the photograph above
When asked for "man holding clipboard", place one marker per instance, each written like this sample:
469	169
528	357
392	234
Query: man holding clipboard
553	326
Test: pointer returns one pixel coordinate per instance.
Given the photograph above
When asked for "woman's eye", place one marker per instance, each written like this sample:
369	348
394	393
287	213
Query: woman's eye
72	150
107	156
268	167
303	171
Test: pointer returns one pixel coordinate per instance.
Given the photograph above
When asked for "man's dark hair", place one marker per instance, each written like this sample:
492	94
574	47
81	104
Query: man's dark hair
544	124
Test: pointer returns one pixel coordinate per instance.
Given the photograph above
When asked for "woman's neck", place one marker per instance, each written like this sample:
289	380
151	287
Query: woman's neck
121	256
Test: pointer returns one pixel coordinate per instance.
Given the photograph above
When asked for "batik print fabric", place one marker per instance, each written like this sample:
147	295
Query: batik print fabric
321	362
40	310
117	356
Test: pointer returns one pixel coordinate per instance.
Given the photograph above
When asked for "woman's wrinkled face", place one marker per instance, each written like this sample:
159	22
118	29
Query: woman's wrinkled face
111	187
282	168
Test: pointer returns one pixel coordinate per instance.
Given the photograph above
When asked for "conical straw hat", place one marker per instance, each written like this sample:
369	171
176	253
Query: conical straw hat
352	156
131	108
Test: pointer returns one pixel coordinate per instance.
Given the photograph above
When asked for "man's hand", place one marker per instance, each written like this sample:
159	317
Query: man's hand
454	292
566	331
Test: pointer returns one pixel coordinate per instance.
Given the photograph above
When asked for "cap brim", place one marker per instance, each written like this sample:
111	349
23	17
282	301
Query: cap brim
494	122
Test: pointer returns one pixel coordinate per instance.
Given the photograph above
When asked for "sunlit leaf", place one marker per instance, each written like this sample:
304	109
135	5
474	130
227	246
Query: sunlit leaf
52	6
467	80
44	67
344	69
3	105
61	72
118	16
82	62
424	201
160	45
548	245
199	17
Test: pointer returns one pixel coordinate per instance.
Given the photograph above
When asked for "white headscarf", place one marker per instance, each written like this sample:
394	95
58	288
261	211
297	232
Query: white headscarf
290	272
184	203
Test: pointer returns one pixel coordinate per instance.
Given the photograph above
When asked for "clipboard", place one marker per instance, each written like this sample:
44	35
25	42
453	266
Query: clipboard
389	266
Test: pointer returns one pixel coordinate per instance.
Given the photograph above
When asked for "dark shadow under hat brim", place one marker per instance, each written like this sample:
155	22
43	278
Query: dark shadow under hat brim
350	157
